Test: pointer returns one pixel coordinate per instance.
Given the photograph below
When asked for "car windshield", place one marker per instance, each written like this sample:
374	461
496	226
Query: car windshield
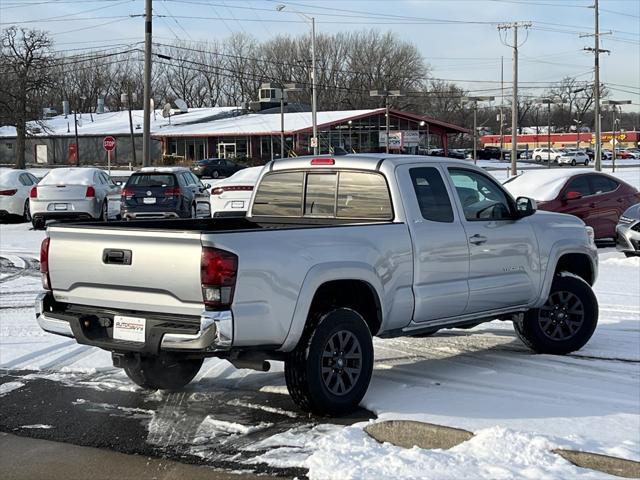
152	180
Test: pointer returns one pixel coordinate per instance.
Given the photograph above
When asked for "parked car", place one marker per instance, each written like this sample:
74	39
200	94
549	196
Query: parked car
216	168
573	157
165	192
547	154
626	154
15	186
333	251
606	154
230	197
459	153
596	198
525	154
628	231
72	193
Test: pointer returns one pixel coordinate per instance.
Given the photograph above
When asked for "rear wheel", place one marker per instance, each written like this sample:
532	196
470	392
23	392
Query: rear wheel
573	162
566	321
538	158
104	215
586	162
164	372
26	214
38	223
329	371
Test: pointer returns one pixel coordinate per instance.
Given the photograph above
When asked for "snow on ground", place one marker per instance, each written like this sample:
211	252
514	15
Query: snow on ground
519	405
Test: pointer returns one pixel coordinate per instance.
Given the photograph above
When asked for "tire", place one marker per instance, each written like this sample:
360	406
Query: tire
538	158
164	372
26	214
38	223
586	163
326	384
194	213
104	212
565	323
215	174
573	162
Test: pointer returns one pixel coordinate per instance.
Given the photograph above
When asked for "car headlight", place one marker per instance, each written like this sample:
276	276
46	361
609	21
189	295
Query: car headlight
625	220
591	235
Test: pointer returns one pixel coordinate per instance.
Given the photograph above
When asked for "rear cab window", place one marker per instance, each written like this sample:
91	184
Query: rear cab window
334	194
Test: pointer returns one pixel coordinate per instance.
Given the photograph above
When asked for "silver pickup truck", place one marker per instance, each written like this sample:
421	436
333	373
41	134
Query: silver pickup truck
332	252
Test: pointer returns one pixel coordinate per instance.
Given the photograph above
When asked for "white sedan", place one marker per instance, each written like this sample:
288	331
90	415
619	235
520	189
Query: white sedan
573	157
15	186
230	197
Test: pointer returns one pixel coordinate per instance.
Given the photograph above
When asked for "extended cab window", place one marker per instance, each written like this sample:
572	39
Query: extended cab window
432	195
320	199
279	195
481	198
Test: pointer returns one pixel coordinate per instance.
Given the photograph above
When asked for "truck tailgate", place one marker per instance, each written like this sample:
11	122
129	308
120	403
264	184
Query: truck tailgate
86	267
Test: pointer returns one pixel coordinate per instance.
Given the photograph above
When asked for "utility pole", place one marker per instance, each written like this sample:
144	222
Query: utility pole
501	107
146	132
474	101
514	103
288	87
614	105
133	138
75	123
596	85
386	94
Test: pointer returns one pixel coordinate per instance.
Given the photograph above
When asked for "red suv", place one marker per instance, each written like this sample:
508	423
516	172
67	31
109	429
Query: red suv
596	198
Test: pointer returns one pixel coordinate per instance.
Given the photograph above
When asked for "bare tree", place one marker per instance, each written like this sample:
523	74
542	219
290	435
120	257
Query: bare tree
27	66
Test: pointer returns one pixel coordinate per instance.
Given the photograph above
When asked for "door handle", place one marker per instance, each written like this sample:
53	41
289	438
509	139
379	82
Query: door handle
592	205
477	239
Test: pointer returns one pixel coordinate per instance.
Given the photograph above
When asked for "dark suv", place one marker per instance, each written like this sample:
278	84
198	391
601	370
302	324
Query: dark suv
172	192
216	167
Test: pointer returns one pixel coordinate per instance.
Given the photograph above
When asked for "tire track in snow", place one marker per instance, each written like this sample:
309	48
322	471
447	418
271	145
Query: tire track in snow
25	359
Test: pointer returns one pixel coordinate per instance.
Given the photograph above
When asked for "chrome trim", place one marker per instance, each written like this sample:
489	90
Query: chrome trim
51	325
216	333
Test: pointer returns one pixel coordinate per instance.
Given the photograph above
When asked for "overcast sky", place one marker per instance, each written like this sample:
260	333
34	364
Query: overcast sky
458	38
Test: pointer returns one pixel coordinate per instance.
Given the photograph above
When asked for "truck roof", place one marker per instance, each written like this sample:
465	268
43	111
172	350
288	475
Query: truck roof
369	161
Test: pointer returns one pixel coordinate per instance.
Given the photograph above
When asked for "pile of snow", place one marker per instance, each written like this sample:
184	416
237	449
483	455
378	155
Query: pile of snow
542	185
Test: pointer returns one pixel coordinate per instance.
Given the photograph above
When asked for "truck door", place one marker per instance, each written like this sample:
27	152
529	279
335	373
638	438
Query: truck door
503	251
440	249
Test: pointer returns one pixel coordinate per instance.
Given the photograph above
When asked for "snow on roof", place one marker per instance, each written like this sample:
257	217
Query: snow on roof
541	185
245	176
7	175
262	123
114	123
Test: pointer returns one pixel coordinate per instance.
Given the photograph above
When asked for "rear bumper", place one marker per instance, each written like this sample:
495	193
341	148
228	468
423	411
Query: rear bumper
47	209
212	332
148	215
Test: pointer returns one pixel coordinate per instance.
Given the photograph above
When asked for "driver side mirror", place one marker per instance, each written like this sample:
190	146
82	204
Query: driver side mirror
572	195
525	206
207	186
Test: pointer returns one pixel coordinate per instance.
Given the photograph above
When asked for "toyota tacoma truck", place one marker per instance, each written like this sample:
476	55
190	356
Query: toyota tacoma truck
333	251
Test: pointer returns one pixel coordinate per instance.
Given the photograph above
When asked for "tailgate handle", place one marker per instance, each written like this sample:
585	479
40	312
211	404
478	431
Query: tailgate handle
116	257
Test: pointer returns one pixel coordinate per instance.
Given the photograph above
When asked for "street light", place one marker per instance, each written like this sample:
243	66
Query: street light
548	102
614	104
386	94
287	87
474	101
314	140
350	122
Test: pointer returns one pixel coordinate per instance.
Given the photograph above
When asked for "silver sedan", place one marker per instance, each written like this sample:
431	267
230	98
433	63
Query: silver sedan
628	231
72	193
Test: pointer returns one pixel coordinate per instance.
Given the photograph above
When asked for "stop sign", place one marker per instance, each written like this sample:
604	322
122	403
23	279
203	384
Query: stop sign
109	143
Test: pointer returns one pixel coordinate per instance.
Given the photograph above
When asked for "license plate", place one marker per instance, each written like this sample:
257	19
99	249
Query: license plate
237	204
60	206
131	329
149	200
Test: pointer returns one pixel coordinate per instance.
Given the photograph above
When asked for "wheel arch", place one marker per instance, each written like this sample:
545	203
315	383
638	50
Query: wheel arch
350	285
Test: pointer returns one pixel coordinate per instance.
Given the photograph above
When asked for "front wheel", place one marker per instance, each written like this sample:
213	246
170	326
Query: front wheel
566	321
104	212
538	158
586	163
329	371
163	372
573	162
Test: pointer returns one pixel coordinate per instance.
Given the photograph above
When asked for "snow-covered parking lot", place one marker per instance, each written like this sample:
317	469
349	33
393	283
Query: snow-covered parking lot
520	406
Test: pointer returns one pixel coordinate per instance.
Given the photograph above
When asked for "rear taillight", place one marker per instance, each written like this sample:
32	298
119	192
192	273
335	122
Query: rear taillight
91	192
44	264
8	193
217	191
218	272
232	188
127	193
172	192
34	192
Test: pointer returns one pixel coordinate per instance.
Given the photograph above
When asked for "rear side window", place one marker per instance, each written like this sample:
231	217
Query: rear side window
362	195
602	184
25	180
279	195
152	180
432	195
